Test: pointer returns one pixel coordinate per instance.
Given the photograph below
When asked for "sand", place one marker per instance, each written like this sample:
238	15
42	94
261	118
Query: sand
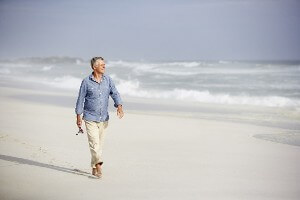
146	156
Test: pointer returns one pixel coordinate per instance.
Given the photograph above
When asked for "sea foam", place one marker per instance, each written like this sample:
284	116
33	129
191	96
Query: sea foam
65	82
132	88
220	82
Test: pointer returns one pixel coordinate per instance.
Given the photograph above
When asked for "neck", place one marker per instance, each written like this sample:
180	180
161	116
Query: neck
98	76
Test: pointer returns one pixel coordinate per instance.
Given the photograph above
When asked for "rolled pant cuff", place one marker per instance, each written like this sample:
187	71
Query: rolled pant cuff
94	166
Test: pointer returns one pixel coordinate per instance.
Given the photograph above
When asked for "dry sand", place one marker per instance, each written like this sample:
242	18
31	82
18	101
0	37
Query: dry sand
146	156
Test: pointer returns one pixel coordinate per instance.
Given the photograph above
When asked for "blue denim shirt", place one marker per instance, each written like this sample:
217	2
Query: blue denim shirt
93	98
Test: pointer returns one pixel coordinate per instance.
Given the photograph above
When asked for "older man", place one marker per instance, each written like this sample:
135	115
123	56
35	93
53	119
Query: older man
93	103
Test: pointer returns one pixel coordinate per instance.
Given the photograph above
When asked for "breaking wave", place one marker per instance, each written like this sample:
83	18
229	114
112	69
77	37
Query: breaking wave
132	88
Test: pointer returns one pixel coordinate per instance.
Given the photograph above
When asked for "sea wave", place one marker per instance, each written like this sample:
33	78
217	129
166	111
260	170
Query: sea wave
4	71
47	68
132	88
183	64
226	82
47	60
198	68
136	64
64	82
140	68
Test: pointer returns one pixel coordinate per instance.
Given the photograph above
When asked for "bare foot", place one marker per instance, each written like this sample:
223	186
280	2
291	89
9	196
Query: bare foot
98	167
95	172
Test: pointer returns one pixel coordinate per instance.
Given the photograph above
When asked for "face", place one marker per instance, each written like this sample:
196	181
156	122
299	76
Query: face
99	66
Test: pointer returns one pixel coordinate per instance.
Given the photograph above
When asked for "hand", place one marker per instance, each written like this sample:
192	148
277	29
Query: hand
120	111
79	121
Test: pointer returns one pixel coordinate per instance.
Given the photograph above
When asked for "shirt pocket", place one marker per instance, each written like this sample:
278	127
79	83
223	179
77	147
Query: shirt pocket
90	105
92	92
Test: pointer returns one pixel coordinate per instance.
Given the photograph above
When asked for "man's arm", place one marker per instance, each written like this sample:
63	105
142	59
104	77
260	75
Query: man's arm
117	99
79	103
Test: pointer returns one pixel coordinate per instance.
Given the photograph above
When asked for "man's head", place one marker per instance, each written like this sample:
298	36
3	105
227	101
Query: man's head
98	65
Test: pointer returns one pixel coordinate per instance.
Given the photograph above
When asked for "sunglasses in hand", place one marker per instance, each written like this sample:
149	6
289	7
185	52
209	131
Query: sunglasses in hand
80	131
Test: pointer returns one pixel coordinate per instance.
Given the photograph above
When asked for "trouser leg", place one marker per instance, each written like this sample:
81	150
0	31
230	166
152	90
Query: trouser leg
102	133
95	133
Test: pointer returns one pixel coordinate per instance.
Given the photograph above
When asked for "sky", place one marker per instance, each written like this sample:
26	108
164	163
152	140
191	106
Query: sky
156	30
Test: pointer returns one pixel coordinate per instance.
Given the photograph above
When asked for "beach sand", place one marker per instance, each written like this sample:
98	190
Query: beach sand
146	156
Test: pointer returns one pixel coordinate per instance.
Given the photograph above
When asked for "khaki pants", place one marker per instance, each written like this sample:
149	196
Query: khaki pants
95	132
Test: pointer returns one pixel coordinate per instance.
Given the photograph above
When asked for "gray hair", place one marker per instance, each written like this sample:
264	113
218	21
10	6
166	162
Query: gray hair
93	60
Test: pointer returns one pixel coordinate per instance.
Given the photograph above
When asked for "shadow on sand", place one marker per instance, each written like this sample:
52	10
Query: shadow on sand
53	167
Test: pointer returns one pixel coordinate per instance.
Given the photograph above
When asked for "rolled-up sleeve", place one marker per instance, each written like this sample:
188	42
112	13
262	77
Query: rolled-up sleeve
114	93
80	99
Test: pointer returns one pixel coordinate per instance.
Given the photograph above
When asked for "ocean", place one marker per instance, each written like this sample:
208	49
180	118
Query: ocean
267	84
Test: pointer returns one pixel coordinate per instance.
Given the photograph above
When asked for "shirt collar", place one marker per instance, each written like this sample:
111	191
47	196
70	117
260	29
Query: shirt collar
92	77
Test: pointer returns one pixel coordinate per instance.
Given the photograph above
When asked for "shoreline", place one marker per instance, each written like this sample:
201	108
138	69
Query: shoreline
280	117
289	134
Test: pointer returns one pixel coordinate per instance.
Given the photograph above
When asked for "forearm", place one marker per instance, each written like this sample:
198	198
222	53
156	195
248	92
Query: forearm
80	99
117	101
115	95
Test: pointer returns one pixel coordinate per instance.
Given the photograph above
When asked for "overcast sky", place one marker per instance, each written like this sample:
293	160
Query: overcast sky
151	30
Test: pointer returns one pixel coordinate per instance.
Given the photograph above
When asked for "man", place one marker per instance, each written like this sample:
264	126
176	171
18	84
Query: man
93	103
